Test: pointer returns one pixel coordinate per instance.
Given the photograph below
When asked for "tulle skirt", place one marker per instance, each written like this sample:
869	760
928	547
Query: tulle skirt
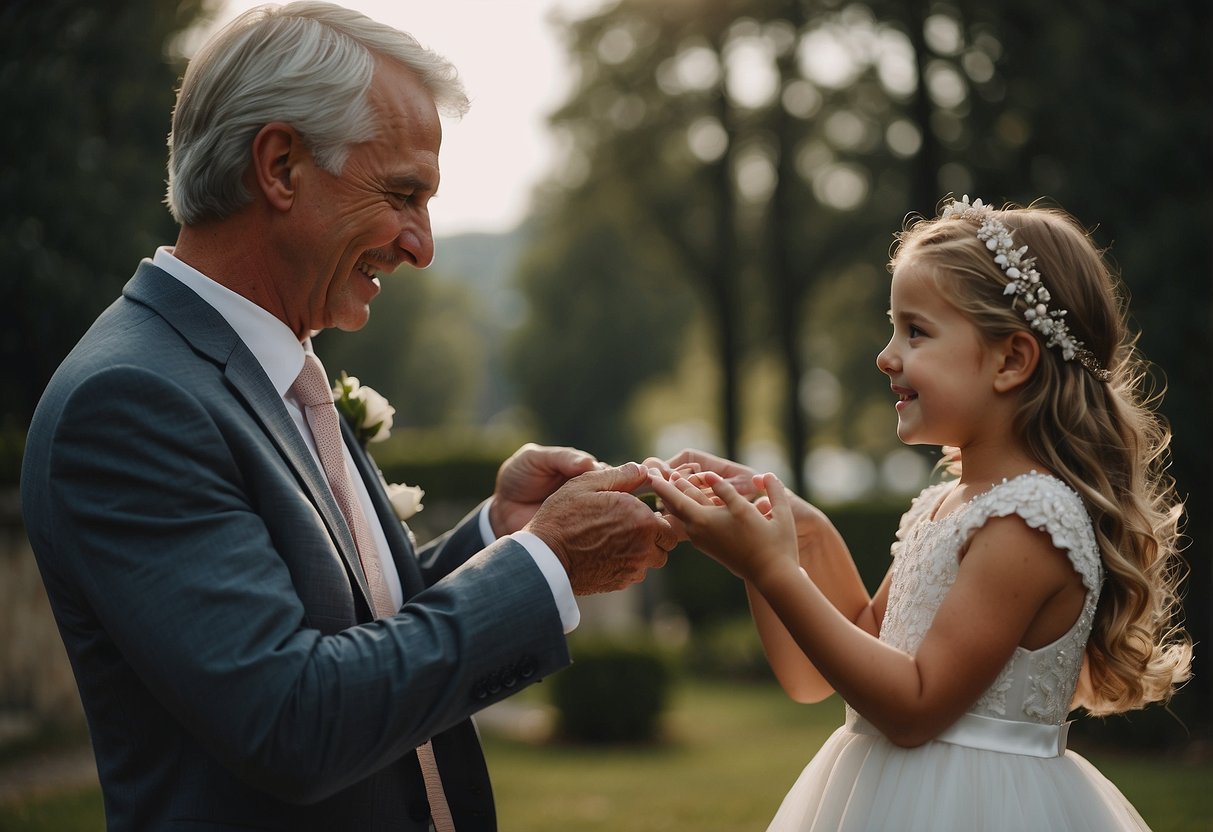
863	783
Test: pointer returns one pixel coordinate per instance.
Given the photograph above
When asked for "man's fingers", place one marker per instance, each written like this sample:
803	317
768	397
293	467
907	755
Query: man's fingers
677	527
667	535
627	477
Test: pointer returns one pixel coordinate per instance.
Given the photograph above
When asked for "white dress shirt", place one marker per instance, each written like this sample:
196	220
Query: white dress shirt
280	354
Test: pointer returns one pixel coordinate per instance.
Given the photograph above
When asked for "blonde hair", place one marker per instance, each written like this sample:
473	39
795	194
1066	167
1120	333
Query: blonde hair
1103	438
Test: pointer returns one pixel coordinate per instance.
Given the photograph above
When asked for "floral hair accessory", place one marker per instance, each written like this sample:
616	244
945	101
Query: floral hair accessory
1025	283
367	412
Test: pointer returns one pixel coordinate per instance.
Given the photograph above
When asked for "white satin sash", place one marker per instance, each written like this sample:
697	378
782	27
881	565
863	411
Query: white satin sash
1006	736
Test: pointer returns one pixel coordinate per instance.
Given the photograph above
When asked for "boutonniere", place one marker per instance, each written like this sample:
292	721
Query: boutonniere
406	499
367	412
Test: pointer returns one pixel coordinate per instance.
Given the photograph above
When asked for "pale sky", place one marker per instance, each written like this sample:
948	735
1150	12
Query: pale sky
515	72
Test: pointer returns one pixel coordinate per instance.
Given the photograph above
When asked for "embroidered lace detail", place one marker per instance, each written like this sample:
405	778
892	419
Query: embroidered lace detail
1035	685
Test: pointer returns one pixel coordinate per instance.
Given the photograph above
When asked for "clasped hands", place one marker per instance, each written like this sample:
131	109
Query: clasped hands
607	538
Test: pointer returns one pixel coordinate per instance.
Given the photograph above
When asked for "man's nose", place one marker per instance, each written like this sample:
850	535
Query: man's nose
416	240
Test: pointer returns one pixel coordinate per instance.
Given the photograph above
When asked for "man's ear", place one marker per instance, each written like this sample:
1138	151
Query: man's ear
1018	354
276	152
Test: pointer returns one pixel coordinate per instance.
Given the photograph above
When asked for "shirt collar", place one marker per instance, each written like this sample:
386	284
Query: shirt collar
271	341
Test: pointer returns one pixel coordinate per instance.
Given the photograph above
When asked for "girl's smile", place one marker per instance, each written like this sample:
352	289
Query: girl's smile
938	365
904	395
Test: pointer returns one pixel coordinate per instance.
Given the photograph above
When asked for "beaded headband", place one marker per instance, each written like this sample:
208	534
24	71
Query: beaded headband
1025	284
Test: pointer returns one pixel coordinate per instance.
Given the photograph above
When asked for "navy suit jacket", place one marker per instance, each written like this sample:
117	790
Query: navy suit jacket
214	610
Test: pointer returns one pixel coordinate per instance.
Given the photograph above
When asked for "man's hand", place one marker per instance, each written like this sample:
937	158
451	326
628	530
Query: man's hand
604	536
528	478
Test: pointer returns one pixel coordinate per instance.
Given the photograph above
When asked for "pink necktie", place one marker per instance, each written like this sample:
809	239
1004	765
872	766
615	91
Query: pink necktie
312	390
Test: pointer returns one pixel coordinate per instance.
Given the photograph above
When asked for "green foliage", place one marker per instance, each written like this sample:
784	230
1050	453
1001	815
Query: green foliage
87	94
615	691
869	530
423	349
701	588
707	593
602	322
450	465
727	648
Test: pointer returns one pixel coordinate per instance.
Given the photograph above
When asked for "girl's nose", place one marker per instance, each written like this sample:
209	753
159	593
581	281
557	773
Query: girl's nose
885	359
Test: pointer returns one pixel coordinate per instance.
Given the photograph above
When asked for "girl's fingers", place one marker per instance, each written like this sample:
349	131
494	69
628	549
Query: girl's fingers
781	507
725	491
678	494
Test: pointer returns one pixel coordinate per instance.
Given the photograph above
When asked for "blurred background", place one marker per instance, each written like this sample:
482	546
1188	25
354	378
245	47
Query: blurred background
664	223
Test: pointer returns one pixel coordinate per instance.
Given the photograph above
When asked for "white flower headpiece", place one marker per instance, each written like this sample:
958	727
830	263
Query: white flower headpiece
1025	283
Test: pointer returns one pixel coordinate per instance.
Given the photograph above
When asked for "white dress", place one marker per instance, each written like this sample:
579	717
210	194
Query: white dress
1003	766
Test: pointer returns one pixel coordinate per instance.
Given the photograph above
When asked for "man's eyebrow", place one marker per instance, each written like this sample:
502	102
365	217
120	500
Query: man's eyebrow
410	182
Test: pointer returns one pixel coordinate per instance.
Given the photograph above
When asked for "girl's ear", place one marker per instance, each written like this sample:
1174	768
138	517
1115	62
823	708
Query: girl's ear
275	152
1017	354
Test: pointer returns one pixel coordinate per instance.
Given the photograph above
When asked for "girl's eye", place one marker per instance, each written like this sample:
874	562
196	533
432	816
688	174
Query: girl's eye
915	332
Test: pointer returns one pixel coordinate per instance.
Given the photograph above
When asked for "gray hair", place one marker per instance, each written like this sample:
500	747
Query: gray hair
308	64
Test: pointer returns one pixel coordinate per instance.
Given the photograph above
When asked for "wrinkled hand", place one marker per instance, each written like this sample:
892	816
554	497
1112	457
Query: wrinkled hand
723	523
604	536
528	478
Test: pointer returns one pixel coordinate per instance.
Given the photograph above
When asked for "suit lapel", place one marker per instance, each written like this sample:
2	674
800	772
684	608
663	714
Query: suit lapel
207	331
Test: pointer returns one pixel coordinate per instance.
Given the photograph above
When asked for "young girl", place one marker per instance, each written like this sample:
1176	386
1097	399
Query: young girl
1049	560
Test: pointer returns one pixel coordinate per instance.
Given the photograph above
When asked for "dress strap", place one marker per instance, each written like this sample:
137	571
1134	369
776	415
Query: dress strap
1006	736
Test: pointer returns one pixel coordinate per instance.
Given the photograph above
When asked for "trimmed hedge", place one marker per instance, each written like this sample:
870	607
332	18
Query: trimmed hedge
615	691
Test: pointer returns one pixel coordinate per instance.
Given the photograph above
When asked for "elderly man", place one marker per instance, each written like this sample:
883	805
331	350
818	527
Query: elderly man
257	644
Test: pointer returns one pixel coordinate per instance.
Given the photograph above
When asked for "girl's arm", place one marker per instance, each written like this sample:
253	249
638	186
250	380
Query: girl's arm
826	559
823	554
1008	574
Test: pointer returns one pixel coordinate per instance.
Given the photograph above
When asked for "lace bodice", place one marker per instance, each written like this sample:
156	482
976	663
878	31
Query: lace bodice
1035	685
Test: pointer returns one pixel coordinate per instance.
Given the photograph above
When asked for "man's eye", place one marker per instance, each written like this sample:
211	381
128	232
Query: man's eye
399	198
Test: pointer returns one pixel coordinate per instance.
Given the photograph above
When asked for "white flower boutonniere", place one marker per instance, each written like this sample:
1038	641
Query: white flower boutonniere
406	499
368	412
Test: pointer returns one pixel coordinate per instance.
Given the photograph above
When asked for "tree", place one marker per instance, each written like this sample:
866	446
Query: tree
423	348
651	121
601	323
88	90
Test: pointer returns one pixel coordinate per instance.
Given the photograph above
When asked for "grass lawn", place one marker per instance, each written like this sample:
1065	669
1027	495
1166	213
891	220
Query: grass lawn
729	755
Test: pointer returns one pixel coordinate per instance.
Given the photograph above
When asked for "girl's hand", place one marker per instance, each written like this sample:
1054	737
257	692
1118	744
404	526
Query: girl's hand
725	525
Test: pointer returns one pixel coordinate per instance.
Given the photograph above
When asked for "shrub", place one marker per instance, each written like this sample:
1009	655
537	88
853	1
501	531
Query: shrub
728	648
613	692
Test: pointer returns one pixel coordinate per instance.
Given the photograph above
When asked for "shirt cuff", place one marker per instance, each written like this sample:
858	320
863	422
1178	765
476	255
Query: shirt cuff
549	565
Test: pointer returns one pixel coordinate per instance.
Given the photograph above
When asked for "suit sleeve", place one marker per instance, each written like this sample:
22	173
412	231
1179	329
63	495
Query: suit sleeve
445	553
170	543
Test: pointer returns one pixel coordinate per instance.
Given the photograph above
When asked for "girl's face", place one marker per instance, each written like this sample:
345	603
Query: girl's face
937	363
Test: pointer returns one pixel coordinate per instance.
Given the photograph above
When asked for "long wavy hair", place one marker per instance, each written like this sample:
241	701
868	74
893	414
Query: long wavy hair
1103	438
